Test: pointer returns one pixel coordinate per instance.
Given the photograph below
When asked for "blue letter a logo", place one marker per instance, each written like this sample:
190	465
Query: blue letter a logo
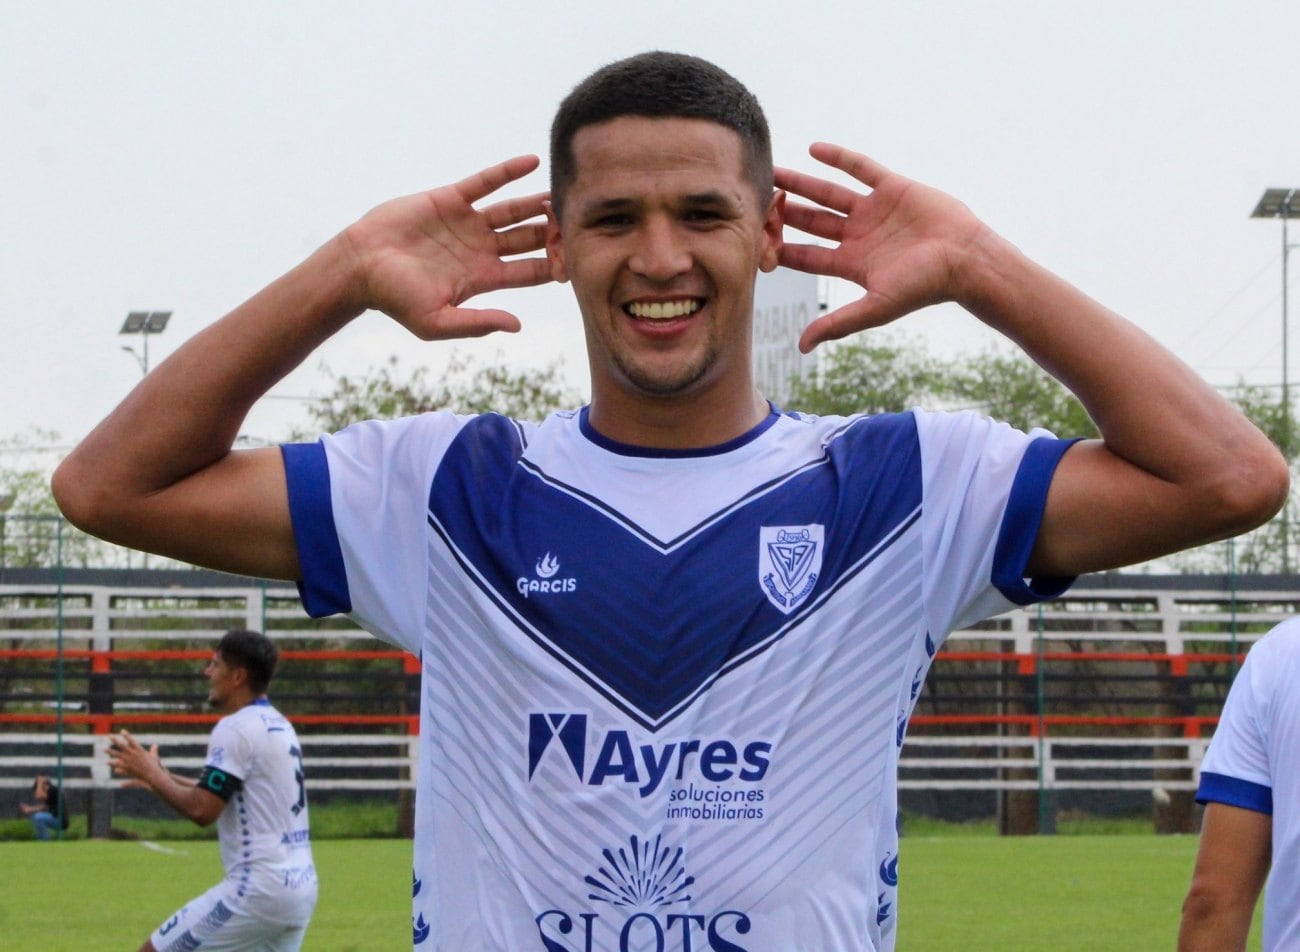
571	729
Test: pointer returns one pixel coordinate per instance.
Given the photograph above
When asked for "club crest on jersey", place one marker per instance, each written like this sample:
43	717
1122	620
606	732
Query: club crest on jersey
789	563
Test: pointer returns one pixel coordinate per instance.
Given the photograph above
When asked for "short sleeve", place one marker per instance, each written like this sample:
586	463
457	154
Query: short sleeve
1236	769
986	488
359	501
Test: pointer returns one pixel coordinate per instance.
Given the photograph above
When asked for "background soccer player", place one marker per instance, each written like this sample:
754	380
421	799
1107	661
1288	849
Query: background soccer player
253	788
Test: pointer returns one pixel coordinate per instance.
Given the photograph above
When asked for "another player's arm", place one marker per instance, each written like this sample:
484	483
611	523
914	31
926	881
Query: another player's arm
195	800
1177	465
159	473
1232	863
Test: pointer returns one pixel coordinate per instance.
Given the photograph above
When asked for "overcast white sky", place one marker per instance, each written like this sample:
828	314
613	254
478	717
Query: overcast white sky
161	155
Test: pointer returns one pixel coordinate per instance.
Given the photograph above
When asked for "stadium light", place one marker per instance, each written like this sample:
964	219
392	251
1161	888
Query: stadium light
144	323
1283	203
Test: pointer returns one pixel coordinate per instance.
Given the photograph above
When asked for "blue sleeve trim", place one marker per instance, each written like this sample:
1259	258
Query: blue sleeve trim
323	587
1219	788
1021	521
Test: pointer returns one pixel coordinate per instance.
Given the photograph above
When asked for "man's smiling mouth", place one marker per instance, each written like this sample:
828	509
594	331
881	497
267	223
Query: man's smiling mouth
663	310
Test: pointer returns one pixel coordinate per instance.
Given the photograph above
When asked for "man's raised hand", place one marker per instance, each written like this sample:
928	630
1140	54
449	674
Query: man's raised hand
903	242
421	257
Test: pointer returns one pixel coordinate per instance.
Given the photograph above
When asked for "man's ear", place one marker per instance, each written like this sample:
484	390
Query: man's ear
773	232
555	246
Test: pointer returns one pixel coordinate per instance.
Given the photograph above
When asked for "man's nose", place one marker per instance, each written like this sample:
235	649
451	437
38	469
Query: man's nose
661	253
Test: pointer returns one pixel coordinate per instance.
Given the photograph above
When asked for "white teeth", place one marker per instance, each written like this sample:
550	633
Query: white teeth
664	310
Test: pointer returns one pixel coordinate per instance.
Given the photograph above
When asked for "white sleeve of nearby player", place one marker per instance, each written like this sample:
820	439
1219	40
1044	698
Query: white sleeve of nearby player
985	489
359	500
230	749
1239	749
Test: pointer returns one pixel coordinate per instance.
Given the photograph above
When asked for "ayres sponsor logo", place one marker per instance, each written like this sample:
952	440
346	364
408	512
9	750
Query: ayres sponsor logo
618	759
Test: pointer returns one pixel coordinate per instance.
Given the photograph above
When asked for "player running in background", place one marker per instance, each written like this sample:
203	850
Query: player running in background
670	641
1250	785
252	786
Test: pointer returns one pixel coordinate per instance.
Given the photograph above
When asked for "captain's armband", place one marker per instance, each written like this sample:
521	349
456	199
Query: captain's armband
215	780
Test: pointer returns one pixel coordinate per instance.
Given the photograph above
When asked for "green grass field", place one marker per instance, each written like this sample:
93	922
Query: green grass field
969	893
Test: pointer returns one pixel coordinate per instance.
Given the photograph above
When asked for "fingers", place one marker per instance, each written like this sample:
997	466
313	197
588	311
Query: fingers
812	259
512	211
866	170
524	238
871	310
814	221
456	323
524	273
838	197
484	183
824	193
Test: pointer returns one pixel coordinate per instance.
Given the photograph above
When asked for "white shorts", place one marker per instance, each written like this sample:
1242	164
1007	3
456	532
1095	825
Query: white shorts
218	921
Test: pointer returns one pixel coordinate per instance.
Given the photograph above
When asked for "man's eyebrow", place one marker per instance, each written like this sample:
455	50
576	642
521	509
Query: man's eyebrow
709	198
608	205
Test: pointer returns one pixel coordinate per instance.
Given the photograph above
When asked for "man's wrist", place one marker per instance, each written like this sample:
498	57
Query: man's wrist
986	267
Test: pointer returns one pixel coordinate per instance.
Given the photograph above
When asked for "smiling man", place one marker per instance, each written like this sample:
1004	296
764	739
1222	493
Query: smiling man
670	640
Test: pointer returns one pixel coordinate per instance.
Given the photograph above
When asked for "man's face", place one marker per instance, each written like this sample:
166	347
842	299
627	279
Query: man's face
222	680
662	237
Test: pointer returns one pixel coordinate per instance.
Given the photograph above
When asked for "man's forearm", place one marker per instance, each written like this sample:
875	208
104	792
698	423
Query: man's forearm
158	473
1212	473
182	795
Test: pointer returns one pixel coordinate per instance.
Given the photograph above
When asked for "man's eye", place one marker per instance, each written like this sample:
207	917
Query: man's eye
613	221
702	215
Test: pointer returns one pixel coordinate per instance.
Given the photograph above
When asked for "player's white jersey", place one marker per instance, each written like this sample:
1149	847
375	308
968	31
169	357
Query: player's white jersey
664	692
1252	763
264	829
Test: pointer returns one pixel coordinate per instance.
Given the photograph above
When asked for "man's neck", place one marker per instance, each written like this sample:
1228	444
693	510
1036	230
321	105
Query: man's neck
240	701
675	423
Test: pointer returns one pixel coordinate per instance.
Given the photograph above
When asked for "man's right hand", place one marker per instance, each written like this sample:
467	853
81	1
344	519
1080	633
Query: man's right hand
420	257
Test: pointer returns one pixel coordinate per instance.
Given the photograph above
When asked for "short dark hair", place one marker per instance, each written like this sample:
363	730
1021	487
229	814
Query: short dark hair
659	85
252	651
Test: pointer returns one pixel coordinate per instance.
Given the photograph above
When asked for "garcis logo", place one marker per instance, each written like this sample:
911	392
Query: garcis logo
545	581
619	760
642	884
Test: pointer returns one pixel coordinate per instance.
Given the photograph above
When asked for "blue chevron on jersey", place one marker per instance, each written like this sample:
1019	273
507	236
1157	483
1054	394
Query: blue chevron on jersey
503	522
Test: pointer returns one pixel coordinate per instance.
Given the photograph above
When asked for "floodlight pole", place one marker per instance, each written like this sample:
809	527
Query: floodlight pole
1283	203
144	323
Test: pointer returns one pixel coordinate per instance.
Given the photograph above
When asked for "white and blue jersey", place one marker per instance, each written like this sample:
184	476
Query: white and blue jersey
664	693
264	830
1252	764
266	900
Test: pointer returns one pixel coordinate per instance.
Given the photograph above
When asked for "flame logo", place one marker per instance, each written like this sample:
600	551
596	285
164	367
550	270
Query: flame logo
889	870
547	566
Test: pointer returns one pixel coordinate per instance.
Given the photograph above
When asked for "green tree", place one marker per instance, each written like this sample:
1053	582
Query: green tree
882	375
466	386
33	534
1011	387
892	374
